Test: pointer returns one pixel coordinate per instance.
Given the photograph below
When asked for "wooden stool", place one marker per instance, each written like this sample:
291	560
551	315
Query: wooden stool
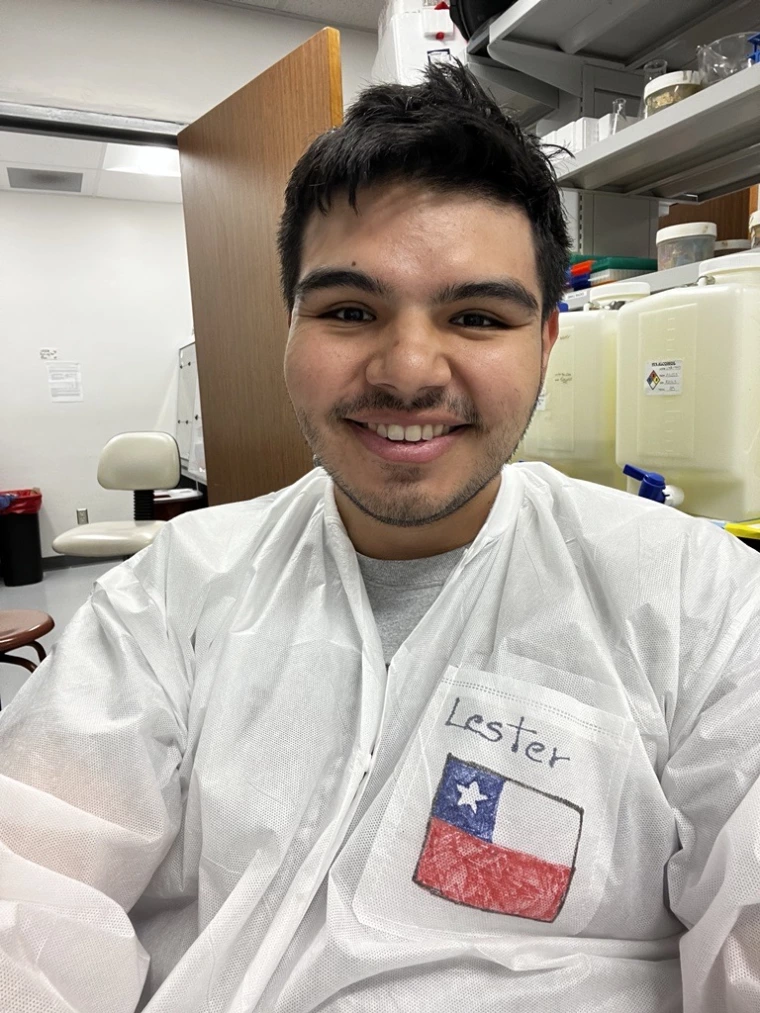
21	628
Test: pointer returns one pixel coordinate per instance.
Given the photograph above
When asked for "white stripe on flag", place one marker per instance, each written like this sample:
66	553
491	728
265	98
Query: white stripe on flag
536	824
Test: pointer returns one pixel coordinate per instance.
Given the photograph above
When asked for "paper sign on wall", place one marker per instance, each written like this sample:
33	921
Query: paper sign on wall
65	380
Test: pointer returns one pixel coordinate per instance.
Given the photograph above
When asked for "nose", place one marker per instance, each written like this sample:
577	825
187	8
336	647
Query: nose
409	357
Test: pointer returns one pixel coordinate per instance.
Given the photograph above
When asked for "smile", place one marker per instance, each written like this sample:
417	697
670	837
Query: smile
406	444
409	434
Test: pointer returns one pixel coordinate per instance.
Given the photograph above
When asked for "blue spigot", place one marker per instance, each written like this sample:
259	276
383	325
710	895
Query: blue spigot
754	56
652	484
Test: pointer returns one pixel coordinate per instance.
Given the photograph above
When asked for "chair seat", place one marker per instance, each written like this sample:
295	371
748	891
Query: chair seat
107	538
21	626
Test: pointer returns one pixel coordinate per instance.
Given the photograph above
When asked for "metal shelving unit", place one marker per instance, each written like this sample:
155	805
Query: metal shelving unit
629	32
703	147
658	281
556	60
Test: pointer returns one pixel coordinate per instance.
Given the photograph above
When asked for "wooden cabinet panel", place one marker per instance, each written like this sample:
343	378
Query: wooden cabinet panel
235	161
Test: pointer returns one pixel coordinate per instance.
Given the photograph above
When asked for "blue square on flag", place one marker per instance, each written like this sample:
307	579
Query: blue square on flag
498	845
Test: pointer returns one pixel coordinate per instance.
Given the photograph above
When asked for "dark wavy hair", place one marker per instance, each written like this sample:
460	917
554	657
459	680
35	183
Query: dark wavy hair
444	133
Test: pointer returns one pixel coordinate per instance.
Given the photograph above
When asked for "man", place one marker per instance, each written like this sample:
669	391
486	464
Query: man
420	731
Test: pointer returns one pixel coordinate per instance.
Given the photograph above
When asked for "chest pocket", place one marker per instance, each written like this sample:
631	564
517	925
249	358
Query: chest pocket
502	817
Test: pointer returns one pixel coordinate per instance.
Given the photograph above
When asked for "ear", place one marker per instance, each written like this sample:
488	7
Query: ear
549	334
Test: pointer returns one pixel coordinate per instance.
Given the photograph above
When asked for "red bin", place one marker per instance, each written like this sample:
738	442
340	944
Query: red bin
20	547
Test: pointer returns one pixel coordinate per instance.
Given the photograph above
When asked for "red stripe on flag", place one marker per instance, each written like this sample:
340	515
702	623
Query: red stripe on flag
466	870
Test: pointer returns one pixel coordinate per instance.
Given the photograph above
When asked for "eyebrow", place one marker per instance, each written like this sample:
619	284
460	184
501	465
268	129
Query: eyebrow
327	277
508	289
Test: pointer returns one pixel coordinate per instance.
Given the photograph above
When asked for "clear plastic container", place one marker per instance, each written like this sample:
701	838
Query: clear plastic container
754	230
573	428
688	404
685	244
724	57
667	89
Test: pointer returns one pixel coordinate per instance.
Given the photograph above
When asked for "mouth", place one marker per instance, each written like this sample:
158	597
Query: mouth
415	444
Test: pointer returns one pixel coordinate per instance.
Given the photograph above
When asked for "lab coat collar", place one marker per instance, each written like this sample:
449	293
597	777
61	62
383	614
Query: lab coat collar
501	519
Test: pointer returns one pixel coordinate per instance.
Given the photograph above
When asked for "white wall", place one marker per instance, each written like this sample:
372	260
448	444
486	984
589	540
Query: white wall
106	283
163	59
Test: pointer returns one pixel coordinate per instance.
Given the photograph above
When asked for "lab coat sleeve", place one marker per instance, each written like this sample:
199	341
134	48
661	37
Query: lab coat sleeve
712	780
90	798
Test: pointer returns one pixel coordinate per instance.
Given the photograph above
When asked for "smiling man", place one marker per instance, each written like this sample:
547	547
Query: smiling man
424	731
417	348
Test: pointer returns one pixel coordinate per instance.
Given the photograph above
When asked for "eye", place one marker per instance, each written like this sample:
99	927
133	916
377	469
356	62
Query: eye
479	320
351	315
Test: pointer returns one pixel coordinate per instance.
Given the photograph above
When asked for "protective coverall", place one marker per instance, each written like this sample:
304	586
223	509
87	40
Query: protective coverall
215	795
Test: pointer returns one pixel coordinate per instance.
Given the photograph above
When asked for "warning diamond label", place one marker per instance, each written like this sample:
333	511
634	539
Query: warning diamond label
664	377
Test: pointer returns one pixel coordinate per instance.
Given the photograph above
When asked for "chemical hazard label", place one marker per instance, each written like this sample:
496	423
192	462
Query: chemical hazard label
664	377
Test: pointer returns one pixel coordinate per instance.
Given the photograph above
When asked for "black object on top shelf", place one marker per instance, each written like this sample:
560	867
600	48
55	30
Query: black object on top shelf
470	15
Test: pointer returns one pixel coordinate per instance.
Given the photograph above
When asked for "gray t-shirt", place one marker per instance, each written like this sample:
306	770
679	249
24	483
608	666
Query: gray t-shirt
401	591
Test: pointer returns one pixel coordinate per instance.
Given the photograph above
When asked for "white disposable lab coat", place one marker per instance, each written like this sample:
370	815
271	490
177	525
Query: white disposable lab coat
215	773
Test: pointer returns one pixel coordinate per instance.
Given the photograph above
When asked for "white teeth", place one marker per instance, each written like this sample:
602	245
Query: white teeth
410	434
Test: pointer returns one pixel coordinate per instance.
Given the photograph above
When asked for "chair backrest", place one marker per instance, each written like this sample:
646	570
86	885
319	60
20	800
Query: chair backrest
139	461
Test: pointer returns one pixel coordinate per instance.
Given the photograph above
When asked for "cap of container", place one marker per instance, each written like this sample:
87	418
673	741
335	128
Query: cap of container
620	291
732	245
749	261
686	230
754	219
665	81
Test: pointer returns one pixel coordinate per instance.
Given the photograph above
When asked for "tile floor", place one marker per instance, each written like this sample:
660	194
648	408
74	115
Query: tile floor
60	594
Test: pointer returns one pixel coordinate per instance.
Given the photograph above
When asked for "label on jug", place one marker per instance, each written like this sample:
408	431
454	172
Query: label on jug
663	377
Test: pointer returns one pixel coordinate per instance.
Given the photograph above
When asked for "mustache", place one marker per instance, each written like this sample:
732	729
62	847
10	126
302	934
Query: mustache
380	400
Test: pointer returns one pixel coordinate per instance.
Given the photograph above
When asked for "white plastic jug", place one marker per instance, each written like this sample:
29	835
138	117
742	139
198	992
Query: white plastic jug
688	401
573	427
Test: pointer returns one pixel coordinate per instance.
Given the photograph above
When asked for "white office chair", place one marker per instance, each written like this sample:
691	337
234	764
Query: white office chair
140	462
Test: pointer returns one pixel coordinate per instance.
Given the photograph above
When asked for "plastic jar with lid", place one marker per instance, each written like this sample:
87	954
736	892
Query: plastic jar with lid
725	247
754	230
687	388
668	89
685	244
573	427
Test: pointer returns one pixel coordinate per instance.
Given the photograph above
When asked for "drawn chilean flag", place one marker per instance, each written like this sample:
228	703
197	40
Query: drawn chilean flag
495	844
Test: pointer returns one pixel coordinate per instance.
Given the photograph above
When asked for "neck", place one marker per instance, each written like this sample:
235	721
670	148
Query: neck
373	538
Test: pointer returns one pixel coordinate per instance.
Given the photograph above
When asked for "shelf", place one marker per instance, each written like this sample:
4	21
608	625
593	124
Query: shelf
626	31
658	281
702	147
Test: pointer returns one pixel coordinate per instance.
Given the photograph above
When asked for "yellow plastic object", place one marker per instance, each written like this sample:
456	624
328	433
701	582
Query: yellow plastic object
745	529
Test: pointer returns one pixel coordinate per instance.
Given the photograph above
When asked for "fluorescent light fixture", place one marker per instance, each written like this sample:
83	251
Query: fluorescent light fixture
143	159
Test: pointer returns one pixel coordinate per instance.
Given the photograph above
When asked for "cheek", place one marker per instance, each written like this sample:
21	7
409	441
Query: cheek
504	381
317	373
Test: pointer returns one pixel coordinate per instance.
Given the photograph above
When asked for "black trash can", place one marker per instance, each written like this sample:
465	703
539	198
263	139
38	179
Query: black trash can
20	548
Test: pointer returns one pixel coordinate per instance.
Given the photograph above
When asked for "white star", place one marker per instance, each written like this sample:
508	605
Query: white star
471	796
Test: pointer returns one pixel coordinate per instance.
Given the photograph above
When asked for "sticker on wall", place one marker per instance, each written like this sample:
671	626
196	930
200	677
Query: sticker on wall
48	353
65	381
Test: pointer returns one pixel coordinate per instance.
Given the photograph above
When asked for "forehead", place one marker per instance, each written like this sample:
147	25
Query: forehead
417	239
